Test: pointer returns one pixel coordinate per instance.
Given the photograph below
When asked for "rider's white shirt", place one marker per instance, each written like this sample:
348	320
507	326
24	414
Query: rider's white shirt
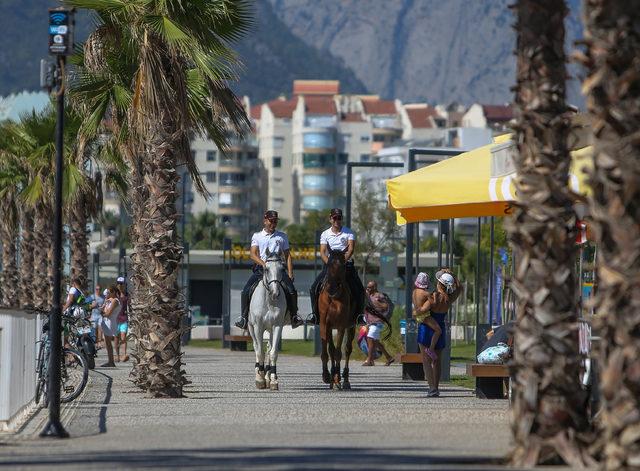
277	242
339	241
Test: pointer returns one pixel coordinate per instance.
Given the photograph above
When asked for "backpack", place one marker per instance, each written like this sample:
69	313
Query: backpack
392	306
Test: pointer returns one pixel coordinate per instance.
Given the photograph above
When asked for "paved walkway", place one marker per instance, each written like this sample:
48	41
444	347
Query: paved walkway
224	422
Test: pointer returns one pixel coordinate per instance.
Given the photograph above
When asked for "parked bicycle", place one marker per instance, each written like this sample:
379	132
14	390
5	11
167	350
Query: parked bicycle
74	372
79	333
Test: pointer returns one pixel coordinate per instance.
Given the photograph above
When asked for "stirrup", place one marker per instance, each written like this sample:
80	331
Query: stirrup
241	323
311	319
296	321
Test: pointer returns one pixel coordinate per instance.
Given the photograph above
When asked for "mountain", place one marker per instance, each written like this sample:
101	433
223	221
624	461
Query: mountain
433	50
271	54
415	50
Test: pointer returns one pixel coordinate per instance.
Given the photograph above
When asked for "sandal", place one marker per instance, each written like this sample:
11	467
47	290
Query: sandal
389	361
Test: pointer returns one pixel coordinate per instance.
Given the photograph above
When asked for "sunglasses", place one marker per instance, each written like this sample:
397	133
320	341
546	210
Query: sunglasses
336	218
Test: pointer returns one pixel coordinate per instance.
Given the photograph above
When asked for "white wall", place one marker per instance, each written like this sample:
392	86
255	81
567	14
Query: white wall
18	334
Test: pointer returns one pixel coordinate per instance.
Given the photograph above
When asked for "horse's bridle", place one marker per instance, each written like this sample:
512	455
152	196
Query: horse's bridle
264	276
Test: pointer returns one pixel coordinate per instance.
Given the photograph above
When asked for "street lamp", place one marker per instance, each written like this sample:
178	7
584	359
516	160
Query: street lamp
61	23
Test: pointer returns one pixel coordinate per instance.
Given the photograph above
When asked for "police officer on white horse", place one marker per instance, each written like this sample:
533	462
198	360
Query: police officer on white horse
278	243
337	237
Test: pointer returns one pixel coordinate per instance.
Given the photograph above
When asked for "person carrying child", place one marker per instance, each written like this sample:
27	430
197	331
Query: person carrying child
434	307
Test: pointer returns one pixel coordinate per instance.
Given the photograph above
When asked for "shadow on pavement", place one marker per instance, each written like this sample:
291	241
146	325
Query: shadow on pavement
270	457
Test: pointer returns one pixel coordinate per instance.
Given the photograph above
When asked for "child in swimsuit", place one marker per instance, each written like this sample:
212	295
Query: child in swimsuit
422	312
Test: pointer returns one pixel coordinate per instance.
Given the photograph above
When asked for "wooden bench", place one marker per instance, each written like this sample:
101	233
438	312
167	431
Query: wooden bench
238	342
412	366
490	379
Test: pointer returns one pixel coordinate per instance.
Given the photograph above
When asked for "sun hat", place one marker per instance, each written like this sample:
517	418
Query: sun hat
422	281
446	279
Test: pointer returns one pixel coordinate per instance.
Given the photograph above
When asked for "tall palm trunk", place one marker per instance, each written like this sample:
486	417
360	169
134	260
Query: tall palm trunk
548	414
612	86
27	288
42	242
79	242
9	280
161	303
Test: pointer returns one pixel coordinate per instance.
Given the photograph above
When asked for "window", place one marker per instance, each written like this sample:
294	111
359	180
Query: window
318	182
211	155
316	202
346	138
278	142
231	179
193	155
378	138
365	138
318	160
318	139
252	155
343	158
211	177
320	121
232	200
277	162
364	157
277	179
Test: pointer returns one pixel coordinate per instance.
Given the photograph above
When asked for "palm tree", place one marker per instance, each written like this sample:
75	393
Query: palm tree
612	87
548	416
158	71
9	178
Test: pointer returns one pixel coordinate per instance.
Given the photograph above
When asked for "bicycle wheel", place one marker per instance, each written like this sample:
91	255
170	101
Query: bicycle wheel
41	378
73	375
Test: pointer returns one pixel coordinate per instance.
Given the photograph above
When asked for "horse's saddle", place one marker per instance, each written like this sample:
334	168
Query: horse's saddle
286	295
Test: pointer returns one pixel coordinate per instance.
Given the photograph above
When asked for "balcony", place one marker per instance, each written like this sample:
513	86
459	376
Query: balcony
318	183
318	140
385	122
320	121
318	161
316	202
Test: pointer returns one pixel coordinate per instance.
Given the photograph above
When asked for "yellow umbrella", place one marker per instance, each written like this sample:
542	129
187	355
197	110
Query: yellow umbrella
466	186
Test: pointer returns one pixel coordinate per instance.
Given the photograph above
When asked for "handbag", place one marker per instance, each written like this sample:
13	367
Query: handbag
495	355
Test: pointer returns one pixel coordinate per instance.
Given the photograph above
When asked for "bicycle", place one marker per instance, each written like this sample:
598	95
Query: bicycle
74	371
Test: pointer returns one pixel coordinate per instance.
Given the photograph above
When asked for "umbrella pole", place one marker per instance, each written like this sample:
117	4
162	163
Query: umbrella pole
491	269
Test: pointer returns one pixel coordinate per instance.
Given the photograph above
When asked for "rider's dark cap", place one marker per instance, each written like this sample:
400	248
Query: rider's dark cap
271	214
335	212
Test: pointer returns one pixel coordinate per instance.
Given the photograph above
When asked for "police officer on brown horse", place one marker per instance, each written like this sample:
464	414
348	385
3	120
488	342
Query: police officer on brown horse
337	237
278	243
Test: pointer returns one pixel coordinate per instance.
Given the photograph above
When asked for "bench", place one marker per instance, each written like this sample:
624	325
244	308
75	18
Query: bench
238	342
412	366
490	379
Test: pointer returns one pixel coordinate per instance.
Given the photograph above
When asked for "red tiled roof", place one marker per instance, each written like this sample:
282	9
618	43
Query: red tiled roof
497	112
420	116
256	111
319	105
351	117
316	87
379	107
283	108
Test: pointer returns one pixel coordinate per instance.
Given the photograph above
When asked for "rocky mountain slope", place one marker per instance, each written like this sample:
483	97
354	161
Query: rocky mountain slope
440	51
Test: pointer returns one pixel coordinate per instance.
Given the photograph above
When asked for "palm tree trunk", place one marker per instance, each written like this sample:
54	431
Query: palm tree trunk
41	243
613	90
79	242
9	280
549	419
28	287
160	304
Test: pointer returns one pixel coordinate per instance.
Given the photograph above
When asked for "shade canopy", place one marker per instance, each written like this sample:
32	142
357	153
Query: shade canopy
473	184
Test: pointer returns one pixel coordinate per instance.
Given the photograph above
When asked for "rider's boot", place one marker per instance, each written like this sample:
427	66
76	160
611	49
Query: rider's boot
243	320
313	318
296	320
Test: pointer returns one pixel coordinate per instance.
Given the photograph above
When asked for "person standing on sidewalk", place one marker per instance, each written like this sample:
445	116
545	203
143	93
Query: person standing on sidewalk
123	320
110	311
374	309
96	301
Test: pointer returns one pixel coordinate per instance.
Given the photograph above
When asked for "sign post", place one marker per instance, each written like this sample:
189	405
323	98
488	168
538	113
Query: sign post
61	22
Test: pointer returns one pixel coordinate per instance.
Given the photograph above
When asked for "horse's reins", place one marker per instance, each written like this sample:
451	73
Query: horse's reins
267	283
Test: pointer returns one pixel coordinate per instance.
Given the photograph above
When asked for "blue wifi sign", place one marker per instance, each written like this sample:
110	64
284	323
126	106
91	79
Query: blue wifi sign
60	31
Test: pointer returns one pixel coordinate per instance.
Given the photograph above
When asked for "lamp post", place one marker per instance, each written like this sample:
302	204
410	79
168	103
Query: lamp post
61	22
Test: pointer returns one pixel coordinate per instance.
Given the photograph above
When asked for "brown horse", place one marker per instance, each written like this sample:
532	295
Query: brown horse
336	309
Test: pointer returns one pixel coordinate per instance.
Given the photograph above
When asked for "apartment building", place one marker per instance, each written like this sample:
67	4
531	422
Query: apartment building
234	181
494	117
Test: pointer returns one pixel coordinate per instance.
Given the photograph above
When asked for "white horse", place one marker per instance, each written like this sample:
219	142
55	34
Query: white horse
266	313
